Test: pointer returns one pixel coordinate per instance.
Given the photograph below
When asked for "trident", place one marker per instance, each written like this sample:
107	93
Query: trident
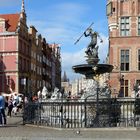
82	34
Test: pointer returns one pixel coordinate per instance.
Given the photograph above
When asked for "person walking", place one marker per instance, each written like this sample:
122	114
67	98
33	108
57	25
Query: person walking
2	110
10	106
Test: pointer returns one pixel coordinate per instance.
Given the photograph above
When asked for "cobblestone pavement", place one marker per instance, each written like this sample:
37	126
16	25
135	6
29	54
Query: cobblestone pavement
14	130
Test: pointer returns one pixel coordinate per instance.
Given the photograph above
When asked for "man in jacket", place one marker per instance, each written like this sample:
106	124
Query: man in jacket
2	110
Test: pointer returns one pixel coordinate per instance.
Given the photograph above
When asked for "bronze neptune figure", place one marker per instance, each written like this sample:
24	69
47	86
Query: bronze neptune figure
92	49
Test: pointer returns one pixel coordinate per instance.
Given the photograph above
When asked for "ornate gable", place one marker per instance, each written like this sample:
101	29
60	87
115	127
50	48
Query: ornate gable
2	24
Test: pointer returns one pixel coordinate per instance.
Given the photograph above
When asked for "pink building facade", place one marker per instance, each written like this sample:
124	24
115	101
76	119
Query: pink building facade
14	52
27	61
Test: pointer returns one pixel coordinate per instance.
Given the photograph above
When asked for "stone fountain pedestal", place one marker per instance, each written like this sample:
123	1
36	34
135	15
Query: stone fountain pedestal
100	117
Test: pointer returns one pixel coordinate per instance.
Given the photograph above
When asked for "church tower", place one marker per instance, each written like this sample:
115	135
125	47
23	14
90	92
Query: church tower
124	45
64	78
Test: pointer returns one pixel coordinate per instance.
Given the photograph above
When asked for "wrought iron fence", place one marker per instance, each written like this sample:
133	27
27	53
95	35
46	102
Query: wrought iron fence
114	112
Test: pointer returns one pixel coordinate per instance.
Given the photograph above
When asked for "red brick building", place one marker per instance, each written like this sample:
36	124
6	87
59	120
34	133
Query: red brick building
124	45
26	59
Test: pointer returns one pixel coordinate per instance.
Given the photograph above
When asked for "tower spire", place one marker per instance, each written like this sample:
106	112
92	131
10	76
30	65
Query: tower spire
22	7
22	13
64	78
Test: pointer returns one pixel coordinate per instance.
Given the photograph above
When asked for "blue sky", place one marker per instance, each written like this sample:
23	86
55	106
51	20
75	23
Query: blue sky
62	22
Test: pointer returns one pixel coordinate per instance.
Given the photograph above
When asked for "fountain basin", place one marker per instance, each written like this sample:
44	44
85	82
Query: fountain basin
90	70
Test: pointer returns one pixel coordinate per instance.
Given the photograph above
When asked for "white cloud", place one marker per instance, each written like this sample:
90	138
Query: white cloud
63	22
103	48
70	59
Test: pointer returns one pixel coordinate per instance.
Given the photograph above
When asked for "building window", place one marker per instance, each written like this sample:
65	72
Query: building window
109	9
137	82
124	26
138	59
124	88
138	25
124	60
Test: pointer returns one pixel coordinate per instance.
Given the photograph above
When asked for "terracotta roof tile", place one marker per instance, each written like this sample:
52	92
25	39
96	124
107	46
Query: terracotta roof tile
11	21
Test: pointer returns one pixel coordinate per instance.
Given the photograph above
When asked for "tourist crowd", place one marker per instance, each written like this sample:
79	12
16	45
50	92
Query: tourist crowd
8	105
